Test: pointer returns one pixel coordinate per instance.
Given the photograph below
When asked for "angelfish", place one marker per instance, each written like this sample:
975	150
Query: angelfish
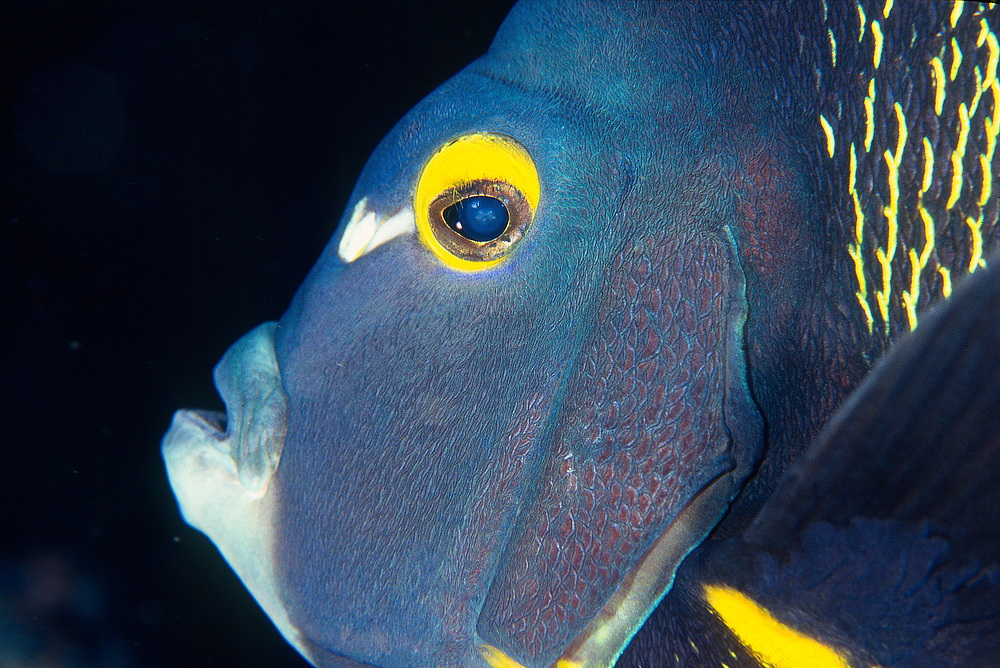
553	394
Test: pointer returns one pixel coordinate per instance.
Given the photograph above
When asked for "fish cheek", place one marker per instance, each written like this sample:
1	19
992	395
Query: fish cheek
658	412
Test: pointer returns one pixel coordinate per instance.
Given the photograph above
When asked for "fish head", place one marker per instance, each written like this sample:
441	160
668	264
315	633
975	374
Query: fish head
474	446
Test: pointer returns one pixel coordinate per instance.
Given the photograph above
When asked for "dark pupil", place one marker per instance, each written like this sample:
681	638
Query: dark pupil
480	218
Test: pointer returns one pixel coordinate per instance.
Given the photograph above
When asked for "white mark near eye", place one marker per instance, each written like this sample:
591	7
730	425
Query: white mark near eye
367	230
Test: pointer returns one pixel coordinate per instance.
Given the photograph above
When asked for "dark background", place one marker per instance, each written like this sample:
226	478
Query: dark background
169	171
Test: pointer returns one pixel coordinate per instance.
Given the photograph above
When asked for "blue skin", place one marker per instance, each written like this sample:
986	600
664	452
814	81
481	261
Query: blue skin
430	410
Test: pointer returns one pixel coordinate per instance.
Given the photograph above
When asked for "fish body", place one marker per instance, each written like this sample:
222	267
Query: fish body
473	443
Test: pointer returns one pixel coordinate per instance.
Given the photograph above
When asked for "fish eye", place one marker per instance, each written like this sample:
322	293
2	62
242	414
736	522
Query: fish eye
479	218
475	200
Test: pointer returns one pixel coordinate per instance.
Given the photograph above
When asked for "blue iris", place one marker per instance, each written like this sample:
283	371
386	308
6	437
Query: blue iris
480	218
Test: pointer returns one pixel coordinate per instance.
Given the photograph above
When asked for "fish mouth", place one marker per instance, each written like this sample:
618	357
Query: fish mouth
245	442
221	468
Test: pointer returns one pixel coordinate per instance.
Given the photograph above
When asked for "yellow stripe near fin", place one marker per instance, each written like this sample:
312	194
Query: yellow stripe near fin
498	659
775	644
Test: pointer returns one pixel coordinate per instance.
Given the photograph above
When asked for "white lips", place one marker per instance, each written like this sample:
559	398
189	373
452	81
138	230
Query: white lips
367	230
223	481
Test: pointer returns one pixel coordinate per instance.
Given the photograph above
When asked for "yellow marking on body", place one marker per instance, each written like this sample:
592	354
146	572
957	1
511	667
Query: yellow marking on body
958	155
854	249
833	46
886	8
831	143
937	69
869	123
975	226
911	296
929	236
956	59
979	92
946	281
859	269
917	265
901	133
928	166
987	168
861	22
891	212
993	123
774	643
869	319
956	12
882	296
877	49
498	659
826	11
994	60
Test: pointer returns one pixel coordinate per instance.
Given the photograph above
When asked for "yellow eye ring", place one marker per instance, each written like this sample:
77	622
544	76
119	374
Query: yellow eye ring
476	165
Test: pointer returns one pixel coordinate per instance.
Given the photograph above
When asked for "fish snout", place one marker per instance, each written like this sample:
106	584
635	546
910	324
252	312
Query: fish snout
221	467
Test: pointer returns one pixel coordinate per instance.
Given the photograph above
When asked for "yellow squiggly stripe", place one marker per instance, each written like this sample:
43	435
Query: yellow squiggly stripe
917	265
937	68
886	8
861	20
870	115
974	105
946	281
928	166
854	249
833	46
901	135
975	226
994	48
891	212
911	296
831	142
992	123
956	58
987	168
956	12
958	155
877	48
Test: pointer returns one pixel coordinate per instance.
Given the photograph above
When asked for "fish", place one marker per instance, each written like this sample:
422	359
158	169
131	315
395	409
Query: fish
662	334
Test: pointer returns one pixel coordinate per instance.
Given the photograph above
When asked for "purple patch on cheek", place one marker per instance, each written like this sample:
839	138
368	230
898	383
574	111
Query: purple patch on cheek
641	432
